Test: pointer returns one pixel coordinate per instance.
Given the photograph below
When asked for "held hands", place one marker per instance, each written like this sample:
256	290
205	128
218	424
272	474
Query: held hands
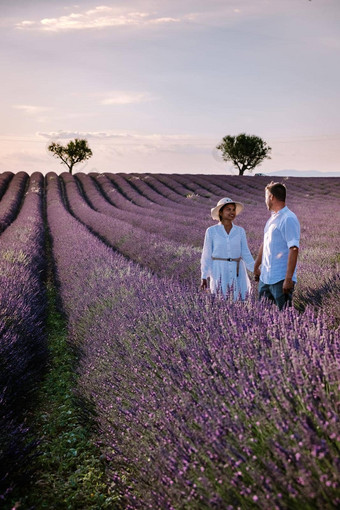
204	284
257	273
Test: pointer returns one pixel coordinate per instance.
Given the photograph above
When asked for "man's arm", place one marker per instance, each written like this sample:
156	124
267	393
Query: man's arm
288	283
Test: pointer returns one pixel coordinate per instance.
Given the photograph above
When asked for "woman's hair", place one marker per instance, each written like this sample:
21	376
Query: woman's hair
278	190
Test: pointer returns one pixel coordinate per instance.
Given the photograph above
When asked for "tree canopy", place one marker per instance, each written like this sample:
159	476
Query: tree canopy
74	152
244	151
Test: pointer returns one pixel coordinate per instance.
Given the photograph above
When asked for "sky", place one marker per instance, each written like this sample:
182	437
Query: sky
154	86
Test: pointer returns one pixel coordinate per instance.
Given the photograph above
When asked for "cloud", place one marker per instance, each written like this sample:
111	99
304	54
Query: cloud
66	135
195	12
124	141
31	109
100	17
26	24
111	134
123	98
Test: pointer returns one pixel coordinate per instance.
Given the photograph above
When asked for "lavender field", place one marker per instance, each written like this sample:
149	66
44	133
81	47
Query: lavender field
197	402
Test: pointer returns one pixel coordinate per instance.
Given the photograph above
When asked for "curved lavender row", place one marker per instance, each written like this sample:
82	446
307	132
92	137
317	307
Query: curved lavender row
147	191
76	251
178	186
177	213
208	185
163	223
298	187
120	193
161	256
5	178
129	191
159	187
234	186
251	188
197	400
196	186
113	194
23	350
11	200
163	188
231	186
153	201
174	214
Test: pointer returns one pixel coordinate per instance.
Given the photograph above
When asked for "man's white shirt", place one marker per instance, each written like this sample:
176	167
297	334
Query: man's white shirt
282	232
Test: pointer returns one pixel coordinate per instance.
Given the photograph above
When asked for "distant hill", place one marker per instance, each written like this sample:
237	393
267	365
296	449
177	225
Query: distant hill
305	173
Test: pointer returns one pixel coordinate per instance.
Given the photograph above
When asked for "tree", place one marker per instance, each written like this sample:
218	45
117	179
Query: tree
244	151
75	152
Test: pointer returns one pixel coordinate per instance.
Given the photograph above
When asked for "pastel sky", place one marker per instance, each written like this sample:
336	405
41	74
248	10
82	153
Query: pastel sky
155	85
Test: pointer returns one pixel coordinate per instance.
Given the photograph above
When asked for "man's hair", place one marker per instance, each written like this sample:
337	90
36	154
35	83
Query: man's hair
278	190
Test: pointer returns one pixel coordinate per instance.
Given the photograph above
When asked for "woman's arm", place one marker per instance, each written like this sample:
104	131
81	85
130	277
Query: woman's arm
206	260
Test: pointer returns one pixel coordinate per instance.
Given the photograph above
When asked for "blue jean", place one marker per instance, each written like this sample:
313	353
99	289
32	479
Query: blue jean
274	292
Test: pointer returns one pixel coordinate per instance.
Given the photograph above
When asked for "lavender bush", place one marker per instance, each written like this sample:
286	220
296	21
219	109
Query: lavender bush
5	178
23	350
10	201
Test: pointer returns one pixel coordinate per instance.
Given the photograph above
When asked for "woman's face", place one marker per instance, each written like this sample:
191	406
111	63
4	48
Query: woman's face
228	212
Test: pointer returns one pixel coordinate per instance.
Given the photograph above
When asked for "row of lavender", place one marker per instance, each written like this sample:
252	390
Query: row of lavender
226	405
23	351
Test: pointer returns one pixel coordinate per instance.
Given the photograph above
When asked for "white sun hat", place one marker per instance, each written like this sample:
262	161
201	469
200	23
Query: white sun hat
215	210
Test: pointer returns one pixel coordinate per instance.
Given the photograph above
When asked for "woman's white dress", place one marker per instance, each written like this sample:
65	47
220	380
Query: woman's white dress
223	274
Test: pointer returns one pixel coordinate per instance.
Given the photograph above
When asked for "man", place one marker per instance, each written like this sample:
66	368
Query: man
280	248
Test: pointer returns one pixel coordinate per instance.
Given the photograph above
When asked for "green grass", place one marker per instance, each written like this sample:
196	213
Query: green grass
67	473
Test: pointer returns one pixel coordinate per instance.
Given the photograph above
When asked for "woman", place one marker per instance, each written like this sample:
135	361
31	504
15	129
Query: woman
226	256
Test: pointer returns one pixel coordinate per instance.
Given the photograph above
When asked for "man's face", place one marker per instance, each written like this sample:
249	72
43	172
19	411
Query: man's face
268	199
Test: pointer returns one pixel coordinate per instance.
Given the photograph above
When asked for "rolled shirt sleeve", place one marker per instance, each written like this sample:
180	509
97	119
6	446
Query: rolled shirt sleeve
291	232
